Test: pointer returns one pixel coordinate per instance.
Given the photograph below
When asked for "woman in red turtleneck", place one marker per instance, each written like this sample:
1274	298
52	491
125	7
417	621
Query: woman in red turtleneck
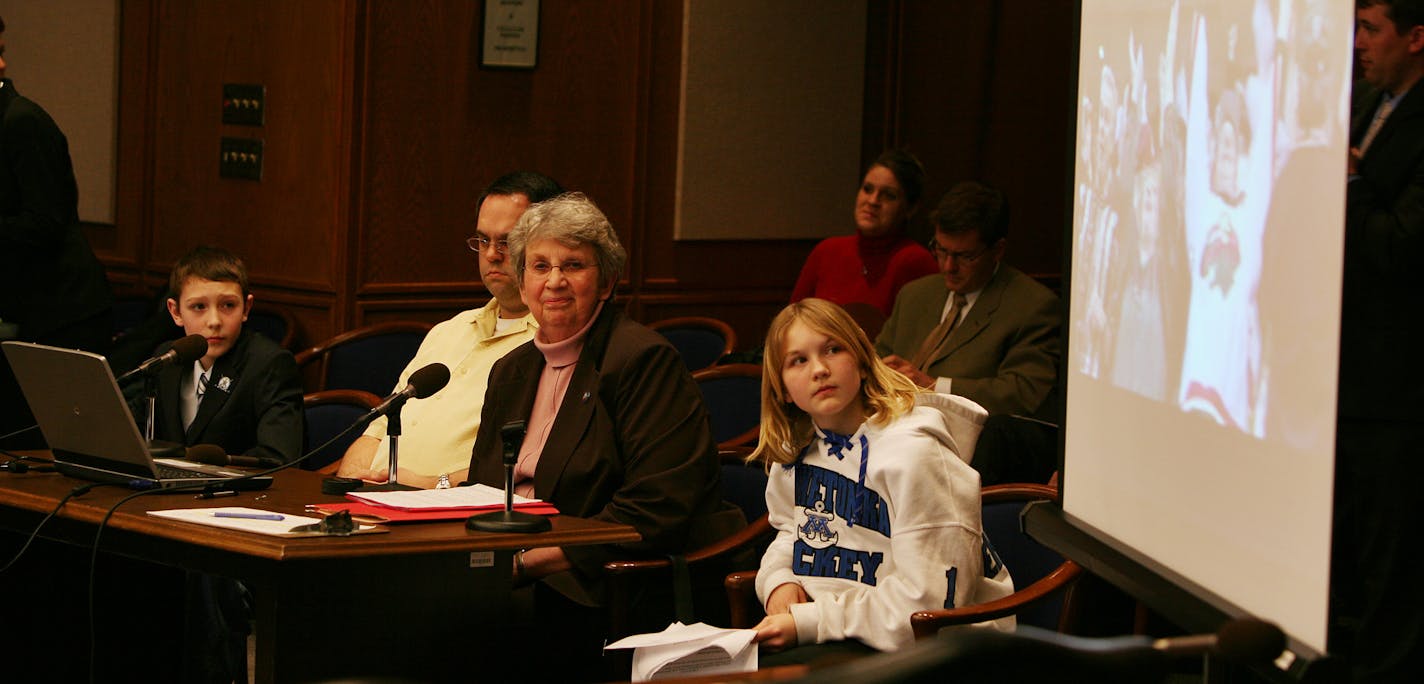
871	265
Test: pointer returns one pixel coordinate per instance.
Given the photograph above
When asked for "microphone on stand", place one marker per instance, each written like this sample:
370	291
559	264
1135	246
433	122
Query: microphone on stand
213	454
184	350
1034	654
509	520
1243	640
422	383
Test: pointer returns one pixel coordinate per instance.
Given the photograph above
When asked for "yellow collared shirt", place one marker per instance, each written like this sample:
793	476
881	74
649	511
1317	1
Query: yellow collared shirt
438	432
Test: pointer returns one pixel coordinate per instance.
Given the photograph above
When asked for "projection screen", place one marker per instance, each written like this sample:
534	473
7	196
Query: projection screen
1205	293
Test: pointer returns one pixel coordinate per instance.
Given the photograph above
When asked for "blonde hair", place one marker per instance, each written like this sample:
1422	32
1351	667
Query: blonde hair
785	428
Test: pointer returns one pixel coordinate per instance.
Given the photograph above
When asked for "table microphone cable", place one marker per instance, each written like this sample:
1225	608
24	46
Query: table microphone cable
77	491
98	534
16	433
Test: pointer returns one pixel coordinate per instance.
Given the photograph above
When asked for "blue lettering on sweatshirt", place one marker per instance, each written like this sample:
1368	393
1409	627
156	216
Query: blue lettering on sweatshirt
834	561
950	576
843	496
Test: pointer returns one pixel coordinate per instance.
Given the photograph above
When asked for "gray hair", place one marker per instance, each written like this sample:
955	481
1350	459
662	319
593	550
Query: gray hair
571	219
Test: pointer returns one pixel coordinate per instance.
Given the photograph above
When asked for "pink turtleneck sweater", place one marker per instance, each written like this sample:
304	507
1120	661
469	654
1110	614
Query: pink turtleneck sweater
559	361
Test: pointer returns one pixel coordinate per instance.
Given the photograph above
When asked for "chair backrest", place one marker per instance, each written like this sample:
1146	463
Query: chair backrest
700	340
327	413
369	358
744	484
274	322
732	394
1015	448
1028	560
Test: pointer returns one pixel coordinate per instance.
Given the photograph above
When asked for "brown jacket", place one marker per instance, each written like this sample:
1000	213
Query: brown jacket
631	443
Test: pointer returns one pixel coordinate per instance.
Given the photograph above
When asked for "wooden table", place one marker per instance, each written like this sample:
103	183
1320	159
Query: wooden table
419	602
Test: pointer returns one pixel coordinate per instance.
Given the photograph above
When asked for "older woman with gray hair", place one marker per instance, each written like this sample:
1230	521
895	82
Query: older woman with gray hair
615	426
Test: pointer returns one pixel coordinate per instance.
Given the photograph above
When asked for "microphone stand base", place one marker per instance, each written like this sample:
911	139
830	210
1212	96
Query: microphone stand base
387	487
508	521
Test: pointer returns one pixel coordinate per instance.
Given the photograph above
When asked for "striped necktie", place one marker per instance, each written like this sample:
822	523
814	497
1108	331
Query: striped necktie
190	405
1377	124
939	334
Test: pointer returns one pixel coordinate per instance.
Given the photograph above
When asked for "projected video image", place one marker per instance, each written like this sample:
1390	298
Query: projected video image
1202	128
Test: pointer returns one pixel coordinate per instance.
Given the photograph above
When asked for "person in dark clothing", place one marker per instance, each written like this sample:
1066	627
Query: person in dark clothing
53	289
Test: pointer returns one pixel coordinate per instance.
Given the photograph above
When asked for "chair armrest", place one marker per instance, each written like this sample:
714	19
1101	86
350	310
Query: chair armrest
746	610
1018	491
621	575
927	622
306	356
732	542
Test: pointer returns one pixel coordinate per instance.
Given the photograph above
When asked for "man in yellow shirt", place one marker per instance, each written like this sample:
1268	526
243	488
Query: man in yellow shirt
438	433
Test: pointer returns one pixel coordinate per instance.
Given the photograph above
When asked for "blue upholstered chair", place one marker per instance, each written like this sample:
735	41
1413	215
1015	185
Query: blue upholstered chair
369	358
743	484
732	394
1042	577
274	322
327	413
700	340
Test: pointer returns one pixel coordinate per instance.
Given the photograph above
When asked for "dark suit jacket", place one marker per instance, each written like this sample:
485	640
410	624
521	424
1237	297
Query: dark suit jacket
49	277
1003	355
260	412
631	443
1381	369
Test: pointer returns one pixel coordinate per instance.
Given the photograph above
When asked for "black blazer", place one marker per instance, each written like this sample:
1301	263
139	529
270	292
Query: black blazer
49	277
253	405
1381	371
631	443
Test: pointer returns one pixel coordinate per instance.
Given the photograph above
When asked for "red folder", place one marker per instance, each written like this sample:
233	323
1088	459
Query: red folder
384	514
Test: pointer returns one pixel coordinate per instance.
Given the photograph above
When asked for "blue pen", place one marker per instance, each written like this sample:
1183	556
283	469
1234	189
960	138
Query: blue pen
249	516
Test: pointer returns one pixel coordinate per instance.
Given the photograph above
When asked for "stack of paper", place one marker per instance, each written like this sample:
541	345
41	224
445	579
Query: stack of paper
472	498
253	520
696	649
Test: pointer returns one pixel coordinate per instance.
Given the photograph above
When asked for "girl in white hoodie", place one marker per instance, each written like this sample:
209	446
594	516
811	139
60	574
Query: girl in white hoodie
876	508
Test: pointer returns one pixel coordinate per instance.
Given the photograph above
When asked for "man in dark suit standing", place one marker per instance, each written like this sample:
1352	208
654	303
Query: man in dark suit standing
52	288
1376	618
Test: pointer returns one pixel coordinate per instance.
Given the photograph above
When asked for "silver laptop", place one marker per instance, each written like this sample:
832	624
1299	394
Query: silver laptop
90	429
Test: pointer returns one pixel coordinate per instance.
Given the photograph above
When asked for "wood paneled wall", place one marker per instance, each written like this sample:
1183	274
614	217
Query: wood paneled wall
382	127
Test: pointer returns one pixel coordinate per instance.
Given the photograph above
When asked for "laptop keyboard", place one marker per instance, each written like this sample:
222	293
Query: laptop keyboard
171	473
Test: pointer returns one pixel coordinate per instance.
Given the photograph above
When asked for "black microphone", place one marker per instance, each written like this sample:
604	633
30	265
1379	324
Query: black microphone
184	350
213	454
1243	640
1033	654
422	383
511	435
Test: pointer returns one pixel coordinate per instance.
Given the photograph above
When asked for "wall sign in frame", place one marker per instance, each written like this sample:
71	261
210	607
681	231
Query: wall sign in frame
511	34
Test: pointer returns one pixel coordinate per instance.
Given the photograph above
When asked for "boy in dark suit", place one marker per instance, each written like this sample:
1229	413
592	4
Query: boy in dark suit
244	395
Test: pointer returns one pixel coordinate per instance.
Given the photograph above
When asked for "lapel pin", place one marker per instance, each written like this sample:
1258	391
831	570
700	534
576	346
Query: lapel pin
224	383
586	395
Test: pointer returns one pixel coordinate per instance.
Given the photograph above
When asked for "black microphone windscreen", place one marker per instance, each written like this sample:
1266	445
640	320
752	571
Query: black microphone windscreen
429	380
1250	641
190	349
211	454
